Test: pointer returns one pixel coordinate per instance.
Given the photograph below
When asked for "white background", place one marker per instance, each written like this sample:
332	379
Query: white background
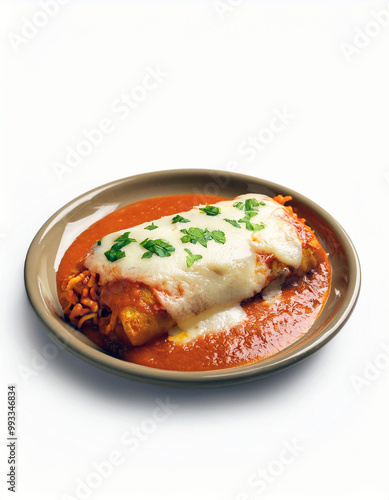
227	71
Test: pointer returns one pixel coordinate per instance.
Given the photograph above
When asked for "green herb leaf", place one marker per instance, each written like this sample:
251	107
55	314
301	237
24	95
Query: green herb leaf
248	216
99	243
124	240
262	203
191	259
160	247
233	222
115	252
251	213
255	227
238	205
113	255
218	236
250	203
186	239
179	218
209	210
151	227
196	235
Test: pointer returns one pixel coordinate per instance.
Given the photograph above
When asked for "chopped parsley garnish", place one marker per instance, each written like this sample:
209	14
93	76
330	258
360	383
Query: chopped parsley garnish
255	227
124	240
160	247
179	218
115	252
209	210
196	235
218	236
250	203
151	227
248	216
233	222
99	243
191	259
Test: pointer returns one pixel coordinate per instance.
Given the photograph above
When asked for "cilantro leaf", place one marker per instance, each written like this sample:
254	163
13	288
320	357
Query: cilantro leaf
218	236
179	218
113	255
239	205
255	227
186	239
123	240
209	210
191	259
99	243
250	203
233	222
251	213
262	203
115	252
160	247
196	235
151	227
248	216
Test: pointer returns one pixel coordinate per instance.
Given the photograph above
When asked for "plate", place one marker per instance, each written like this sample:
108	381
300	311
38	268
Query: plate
56	235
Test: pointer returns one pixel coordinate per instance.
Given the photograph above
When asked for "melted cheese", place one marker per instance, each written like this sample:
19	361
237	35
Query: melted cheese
208	322
227	273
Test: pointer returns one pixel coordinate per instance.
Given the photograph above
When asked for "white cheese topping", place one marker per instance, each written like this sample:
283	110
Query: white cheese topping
216	322
225	275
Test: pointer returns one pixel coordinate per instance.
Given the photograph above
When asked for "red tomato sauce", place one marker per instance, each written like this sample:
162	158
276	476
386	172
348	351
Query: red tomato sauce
270	326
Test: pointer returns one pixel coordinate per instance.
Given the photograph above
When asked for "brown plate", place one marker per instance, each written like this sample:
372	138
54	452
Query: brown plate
63	227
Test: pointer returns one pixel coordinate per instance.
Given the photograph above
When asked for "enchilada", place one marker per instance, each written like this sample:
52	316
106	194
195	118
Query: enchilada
194	273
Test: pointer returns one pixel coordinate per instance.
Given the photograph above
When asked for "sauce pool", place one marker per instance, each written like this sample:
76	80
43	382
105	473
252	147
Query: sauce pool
270	326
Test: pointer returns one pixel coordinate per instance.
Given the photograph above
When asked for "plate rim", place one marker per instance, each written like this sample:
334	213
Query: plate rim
208	378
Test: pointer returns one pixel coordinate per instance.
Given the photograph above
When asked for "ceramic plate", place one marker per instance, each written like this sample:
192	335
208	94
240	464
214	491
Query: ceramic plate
56	235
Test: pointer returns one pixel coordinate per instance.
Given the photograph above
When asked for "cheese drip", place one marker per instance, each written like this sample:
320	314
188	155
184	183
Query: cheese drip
225	275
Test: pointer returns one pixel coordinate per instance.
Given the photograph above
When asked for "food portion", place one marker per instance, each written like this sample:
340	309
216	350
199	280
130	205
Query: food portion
186	281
